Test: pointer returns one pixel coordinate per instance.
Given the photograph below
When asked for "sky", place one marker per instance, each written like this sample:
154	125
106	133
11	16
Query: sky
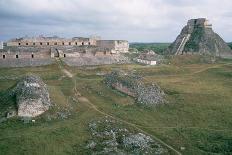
132	20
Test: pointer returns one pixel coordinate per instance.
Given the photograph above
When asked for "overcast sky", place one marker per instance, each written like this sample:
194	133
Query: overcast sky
133	20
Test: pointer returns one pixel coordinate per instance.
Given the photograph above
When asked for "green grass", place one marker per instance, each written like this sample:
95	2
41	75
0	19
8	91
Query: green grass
197	117
230	44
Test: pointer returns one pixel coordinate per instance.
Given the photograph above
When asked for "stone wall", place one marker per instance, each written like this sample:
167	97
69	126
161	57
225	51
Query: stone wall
1	45
25	53
200	22
117	46
71	52
88	51
92	60
25	56
49	41
119	86
23	62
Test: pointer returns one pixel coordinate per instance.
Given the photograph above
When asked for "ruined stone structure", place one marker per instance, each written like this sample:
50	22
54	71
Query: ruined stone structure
50	41
32	96
1	45
117	46
197	37
40	48
148	57
132	85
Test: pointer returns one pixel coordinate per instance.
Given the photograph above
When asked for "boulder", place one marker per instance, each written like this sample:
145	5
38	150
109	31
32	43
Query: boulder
32	96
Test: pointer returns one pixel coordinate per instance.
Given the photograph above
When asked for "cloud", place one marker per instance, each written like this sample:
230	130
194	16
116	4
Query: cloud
134	20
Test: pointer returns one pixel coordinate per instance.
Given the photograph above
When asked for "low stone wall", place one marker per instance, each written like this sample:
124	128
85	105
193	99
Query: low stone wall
96	60
26	55
118	46
123	89
24	62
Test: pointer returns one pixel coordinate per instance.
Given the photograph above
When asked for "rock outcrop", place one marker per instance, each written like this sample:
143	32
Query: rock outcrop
197	37
32	96
133	85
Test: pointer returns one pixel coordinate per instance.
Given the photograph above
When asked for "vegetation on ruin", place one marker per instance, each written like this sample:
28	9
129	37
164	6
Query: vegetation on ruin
130	81
230	45
197	118
193	42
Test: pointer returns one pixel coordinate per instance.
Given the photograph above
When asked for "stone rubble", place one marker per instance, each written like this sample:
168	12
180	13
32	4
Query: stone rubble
110	137
32	96
133	85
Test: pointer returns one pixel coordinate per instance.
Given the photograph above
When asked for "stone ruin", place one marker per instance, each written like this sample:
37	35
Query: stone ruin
111	137
32	96
133	85
198	37
1	45
37	51
149	57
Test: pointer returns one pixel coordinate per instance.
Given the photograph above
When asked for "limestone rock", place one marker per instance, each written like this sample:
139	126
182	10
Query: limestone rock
32	96
198	37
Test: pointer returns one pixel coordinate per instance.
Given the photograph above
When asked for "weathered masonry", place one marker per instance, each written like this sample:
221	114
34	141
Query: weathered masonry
117	46
50	47
51	41
198	37
1	45
25	53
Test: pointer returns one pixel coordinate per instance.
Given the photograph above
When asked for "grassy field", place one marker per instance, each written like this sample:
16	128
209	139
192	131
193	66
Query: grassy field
197	117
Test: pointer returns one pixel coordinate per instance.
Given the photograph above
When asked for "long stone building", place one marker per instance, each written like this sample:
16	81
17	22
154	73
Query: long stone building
29	49
50	41
60	47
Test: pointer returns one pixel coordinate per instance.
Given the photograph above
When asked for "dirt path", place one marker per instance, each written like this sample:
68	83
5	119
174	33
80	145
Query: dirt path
61	66
84	99
91	105
138	127
67	73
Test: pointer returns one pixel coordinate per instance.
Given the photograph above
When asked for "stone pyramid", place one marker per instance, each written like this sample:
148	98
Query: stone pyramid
198	37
